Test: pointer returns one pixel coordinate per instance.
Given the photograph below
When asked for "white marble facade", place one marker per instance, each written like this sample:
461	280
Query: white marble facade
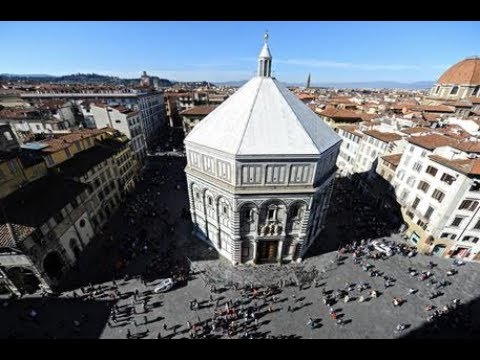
260	172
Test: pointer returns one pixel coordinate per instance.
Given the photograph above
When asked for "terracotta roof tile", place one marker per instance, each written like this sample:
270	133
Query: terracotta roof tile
341	114
392	159
437	108
199	110
383	136
432	141
415	130
466	166
465	72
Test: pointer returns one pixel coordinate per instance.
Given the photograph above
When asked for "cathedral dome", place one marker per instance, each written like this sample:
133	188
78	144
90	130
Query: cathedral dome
465	72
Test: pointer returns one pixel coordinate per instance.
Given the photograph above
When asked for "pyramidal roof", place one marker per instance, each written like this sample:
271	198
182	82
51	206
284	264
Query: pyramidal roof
263	118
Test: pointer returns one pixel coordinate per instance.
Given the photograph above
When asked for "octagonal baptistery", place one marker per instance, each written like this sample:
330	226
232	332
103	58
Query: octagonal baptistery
260	172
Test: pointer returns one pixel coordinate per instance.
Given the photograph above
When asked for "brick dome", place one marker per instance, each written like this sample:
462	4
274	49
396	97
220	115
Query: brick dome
465	72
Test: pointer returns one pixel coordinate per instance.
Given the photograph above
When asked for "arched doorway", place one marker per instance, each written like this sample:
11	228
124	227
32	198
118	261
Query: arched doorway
24	279
53	265
438	250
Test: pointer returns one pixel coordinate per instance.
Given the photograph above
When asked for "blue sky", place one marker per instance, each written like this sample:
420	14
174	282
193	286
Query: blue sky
226	51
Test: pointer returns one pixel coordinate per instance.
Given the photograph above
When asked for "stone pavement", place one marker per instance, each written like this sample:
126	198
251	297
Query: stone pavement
376	318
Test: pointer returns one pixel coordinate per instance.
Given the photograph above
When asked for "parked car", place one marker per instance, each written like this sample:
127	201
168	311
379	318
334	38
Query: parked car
382	248
164	285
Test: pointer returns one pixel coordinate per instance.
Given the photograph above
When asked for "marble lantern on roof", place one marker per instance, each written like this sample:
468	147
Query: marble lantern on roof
260	172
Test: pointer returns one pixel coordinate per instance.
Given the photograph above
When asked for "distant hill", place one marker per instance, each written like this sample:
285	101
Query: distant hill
378	85
351	85
78	78
232	83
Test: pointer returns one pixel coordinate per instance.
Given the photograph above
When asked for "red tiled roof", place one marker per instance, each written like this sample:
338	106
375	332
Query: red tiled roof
466	166
465	72
199	110
351	129
392	159
303	96
415	130
341	114
469	146
437	108
432	141
65	141
474	100
383	136
431	117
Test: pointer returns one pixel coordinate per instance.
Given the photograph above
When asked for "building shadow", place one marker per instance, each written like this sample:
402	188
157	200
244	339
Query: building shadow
54	318
462	322
109	256
362	206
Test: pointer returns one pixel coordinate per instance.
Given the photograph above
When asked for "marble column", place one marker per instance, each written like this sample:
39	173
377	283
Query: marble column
255	245
280	251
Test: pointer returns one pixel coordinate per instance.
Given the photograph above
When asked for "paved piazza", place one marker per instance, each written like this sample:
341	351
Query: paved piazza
67	316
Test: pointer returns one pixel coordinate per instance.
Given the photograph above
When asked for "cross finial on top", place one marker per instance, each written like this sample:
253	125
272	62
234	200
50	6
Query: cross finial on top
266	36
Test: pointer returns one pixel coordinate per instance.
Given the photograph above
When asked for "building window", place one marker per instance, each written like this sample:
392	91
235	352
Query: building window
457	221
423	154
197	195
74	203
475	186
429	213
67	151
438	195
411	181
37	236
82	223
415	203
58	218
224	209
437	89
422	185
477	225
476	91
271	214
445	235
447	178
469	205
454	90
431	170
210	201
78	146
417	167
411	148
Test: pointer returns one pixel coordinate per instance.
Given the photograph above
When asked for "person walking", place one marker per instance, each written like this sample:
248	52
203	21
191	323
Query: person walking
289	308
129	334
165	327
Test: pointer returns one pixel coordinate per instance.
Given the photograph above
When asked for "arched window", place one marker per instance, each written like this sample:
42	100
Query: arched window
272	213
454	90
437	89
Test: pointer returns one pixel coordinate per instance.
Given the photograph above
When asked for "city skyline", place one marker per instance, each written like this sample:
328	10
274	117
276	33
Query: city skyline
226	51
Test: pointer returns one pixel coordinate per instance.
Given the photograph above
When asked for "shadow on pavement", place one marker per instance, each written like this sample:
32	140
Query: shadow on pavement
355	214
53	318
